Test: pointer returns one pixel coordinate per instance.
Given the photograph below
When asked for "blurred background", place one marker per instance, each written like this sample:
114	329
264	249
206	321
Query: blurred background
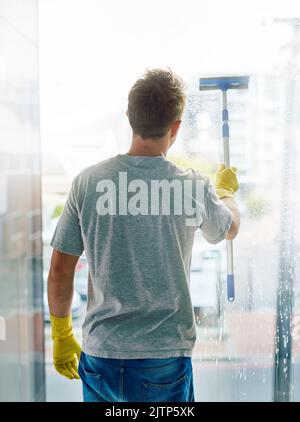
65	71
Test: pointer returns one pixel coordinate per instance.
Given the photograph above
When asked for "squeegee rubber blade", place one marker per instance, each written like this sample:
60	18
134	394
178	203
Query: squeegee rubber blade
224	83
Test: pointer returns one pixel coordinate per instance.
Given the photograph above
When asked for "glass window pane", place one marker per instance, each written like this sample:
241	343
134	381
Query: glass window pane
244	349
21	317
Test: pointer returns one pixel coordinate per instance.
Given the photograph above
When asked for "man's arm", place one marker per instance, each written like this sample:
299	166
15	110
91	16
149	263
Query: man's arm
226	185
235	214
67	243
61	283
66	350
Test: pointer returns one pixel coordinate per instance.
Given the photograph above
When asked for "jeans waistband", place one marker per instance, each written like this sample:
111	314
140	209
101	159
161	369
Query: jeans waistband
138	363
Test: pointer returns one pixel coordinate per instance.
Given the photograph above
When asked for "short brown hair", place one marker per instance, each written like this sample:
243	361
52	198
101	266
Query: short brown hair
155	101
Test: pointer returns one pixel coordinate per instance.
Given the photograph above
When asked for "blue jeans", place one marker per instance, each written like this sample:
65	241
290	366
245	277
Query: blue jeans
136	380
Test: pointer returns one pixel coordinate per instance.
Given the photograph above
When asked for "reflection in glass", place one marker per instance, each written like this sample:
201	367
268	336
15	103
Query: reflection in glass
248	350
21	347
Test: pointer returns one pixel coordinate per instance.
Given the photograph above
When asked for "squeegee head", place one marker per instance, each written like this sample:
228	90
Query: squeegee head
224	83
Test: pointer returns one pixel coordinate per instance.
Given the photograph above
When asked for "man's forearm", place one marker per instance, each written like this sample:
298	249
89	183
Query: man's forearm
232	206
60	283
60	294
66	350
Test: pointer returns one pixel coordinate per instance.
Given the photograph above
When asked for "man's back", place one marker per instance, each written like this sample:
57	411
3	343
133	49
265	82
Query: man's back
135	215
138	247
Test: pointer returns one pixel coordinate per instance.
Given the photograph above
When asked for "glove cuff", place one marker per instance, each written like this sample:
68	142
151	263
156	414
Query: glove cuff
224	193
61	326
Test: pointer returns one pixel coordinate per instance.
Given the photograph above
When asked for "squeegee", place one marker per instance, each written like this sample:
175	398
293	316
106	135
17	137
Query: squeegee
225	83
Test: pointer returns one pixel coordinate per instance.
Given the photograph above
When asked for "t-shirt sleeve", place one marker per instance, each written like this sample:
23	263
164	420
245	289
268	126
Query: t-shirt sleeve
67	237
217	217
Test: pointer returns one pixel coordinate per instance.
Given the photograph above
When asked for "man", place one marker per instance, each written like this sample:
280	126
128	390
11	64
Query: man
127	214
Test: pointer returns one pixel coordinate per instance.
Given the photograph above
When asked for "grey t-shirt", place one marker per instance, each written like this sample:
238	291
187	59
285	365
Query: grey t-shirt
139	253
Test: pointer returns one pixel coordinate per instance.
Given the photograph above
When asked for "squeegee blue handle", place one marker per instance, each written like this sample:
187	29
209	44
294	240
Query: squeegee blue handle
230	287
225	125
224	84
226	153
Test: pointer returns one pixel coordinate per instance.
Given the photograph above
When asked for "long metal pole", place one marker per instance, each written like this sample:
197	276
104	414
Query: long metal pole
226	152
283	355
285	289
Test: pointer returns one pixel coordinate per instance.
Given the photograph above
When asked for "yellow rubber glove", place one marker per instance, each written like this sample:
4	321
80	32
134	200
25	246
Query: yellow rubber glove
66	350
226	183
